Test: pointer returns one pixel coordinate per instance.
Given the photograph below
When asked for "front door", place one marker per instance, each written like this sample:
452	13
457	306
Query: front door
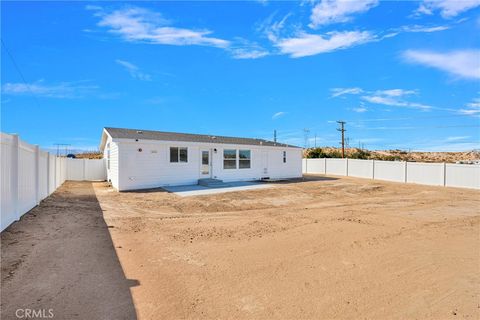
205	166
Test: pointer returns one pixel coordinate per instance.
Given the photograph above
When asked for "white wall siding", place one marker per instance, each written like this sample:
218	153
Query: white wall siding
462	175
438	174
151	167
112	170
426	173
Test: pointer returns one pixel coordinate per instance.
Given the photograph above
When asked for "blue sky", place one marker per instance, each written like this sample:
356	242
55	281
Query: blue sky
402	74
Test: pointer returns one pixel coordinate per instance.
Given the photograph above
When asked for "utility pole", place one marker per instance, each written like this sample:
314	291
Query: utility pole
58	148
306	132
275	136
342	130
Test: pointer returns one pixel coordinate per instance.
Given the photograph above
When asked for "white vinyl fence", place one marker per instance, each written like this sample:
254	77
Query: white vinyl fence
29	175
435	174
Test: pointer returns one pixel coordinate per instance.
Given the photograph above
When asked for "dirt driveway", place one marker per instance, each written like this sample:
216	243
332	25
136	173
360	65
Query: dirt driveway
321	249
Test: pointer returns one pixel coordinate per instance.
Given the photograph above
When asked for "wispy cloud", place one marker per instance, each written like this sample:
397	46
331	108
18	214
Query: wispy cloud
336	11
447	8
278	115
141	25
472	108
244	49
62	90
424	29
134	70
457	138
461	63
360	109
337	92
307	44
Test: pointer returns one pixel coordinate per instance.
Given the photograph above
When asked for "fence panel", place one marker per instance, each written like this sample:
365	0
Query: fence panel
426	173
336	166
27	194
389	171
462	175
95	169
8	179
29	175
360	168
314	166
75	169
43	175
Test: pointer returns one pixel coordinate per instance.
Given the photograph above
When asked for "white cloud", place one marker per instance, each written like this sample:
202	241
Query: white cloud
448	8
278	115
426	29
462	63
396	92
134	70
337	92
395	98
66	90
305	44
473	108
244	49
335	11
360	109
138	24
457	138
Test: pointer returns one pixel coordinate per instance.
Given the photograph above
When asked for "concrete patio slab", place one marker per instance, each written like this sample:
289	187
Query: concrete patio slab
197	190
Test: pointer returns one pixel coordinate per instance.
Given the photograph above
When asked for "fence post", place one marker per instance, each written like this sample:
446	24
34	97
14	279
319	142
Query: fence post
373	169
325	166
444	174
406	170
48	174
84	169
37	174
346	167
14	185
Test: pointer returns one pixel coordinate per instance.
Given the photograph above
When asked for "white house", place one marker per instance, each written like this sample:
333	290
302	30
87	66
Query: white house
139	159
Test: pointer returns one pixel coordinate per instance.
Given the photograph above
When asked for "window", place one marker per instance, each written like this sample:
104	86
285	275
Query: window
178	154
284	156
229	159
244	159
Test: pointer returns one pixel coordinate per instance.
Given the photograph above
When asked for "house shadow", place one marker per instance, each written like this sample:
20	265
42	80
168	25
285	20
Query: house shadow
60	260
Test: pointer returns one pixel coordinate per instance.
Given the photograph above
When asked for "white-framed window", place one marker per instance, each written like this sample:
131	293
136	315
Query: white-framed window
178	154
284	156
229	159
244	157
108	156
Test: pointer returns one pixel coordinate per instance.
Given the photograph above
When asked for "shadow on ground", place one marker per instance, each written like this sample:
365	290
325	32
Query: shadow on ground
60	257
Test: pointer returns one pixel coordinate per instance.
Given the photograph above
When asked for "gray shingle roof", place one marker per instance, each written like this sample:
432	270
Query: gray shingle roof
120	133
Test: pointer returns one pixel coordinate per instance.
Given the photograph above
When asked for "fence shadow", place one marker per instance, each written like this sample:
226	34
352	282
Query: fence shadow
60	259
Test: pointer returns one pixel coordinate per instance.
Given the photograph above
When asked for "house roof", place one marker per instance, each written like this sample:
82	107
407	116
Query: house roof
119	133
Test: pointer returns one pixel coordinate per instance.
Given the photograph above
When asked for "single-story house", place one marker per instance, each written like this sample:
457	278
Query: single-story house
139	159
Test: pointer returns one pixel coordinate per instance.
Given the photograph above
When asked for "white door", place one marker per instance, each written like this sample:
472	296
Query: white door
205	163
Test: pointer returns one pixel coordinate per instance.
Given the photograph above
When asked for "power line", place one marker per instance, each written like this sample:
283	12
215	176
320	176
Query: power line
20	72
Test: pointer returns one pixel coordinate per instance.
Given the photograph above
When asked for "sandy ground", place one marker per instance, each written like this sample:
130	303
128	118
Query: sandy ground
326	248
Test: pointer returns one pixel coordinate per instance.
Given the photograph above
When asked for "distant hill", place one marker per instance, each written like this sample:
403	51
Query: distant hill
89	155
393	155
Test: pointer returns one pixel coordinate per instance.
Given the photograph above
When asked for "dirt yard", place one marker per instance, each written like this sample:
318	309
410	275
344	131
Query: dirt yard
320	249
